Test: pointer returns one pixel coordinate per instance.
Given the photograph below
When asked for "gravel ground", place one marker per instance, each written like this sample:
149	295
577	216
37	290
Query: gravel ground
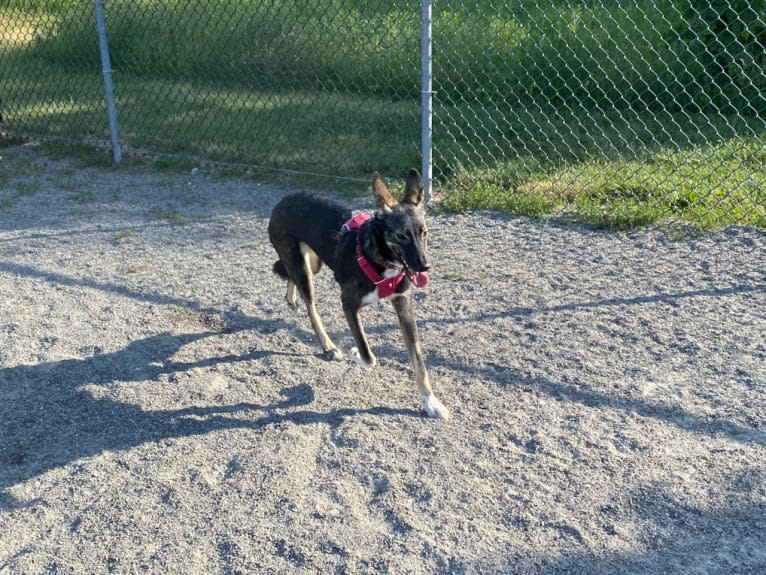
163	411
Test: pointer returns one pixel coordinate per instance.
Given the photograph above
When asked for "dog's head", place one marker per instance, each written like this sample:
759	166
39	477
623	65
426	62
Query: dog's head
405	231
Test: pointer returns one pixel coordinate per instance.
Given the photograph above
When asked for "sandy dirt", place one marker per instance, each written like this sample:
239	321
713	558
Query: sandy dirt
163	411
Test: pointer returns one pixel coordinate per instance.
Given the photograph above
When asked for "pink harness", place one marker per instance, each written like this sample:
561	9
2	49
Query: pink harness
385	286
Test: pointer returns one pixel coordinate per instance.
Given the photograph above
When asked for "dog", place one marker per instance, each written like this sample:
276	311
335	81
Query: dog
372	258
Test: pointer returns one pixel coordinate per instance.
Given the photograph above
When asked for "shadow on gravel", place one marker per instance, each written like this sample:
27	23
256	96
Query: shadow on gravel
222	322
688	540
48	420
64	280
667	298
672	415
70	233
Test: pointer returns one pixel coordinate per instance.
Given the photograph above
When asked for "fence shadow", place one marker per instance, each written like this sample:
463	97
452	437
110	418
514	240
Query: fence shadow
676	538
48	419
673	415
503	375
667	298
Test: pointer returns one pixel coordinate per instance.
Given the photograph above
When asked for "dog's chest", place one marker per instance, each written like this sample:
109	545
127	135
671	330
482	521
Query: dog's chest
371	297
374	295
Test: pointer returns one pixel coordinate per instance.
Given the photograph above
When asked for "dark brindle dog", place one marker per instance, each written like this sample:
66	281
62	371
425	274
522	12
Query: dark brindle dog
372	258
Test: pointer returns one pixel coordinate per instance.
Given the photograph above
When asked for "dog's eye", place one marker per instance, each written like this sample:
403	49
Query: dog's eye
423	233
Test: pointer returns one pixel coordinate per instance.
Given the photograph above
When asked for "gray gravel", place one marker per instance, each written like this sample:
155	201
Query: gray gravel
163	411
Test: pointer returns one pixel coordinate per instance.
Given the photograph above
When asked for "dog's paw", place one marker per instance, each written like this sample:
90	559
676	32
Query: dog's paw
435	408
333	354
357	357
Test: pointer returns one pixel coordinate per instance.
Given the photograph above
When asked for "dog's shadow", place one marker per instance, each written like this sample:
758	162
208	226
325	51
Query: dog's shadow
48	419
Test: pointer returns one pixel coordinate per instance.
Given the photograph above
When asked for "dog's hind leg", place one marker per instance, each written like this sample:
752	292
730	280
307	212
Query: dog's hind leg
292	294
404	310
281	270
313	263
304	264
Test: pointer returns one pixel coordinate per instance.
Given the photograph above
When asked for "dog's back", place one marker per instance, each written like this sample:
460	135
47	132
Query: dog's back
308	219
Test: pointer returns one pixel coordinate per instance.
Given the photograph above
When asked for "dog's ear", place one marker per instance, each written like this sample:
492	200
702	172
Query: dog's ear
413	189
383	198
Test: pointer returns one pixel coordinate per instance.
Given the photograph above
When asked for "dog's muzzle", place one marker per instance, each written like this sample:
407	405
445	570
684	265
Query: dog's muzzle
418	278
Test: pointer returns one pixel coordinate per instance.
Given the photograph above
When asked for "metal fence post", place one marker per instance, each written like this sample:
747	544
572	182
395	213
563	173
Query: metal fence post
106	67
426	111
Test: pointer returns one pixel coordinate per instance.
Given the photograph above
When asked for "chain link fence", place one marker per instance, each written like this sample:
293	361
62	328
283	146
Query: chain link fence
624	112
647	110
327	87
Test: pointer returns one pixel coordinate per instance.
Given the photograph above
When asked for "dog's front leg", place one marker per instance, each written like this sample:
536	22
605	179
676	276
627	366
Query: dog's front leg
362	352
404	310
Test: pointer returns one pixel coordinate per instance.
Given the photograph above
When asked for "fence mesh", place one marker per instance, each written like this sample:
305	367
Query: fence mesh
620	106
319	86
621	111
36	96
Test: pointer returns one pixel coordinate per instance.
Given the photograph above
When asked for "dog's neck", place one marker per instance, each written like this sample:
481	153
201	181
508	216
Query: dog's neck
374	247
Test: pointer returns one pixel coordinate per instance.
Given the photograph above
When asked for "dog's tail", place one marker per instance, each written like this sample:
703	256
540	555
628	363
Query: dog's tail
280	269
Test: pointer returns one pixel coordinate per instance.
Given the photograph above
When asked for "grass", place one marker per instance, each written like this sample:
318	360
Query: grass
583	111
134	268
304	131
684	188
169	216
622	171
78	153
124	234
83	197
7	203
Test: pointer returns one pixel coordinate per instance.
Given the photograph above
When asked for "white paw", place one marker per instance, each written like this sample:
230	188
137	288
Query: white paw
434	408
356	356
334	354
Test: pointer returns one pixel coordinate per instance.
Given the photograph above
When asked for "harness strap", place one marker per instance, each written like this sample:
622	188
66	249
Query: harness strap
385	286
353	224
